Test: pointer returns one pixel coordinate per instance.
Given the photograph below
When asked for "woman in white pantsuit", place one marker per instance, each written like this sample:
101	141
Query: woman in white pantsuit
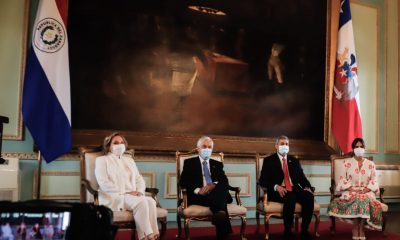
121	187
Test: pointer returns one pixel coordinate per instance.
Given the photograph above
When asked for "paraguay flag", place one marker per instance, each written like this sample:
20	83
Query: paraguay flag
346	119
46	103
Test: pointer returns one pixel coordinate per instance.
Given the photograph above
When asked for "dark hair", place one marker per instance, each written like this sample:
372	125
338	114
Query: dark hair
355	141
281	137
107	141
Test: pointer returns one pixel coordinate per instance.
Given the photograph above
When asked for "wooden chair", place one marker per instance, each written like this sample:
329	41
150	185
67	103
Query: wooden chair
201	213
89	193
274	209
337	170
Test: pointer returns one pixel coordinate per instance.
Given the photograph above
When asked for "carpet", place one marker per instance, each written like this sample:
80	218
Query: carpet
343	231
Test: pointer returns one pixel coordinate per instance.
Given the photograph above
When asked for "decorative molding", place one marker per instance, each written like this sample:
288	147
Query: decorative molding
320	175
54	196
387	77
321	194
168	191
23	45
20	155
151	175
60	173
246	192
316	162
34	156
59	197
398	75
377	9
147	143
387	167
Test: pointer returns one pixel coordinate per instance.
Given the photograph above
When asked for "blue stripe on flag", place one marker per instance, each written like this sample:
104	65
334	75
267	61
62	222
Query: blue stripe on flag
345	14
42	112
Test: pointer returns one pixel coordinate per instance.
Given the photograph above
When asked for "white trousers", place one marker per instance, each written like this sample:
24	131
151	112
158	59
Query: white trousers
144	213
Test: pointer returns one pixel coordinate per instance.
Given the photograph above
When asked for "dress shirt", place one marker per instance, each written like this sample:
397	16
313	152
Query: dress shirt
196	191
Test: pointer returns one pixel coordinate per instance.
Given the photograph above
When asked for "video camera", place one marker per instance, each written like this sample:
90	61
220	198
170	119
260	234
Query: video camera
46	219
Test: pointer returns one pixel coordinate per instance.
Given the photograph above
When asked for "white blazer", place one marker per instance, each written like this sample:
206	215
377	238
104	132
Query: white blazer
117	176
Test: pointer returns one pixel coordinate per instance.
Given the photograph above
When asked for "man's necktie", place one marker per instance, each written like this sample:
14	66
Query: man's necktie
206	171
286	175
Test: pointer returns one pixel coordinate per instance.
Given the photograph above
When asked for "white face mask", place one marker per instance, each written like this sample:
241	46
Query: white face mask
205	153
359	152
283	150
118	149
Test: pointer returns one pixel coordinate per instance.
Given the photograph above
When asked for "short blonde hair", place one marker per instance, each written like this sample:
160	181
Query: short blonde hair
107	141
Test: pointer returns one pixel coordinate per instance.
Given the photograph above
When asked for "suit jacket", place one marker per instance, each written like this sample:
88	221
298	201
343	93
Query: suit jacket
192	175
272	173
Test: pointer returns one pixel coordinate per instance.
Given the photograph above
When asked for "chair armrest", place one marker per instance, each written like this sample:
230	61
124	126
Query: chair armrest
184	200
91	190
263	196
153	191
265	200
237	194
332	189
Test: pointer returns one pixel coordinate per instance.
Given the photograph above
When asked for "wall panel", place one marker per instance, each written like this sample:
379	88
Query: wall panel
391	141
13	21
366	34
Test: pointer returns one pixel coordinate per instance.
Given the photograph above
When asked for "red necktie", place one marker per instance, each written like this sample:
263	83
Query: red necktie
286	175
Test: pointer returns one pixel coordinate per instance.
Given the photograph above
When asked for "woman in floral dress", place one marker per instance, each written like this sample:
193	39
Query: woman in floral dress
359	187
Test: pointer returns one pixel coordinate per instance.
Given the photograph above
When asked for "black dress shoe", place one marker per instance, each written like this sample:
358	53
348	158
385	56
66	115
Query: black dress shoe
223	237
288	235
305	235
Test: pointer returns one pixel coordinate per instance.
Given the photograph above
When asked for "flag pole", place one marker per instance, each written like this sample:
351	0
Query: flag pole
39	175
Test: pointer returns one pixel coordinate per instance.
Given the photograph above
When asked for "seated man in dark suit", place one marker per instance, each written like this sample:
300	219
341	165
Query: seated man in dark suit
207	185
286	183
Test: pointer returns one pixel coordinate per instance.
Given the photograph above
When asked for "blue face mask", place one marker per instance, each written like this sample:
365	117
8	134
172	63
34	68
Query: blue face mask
205	153
283	150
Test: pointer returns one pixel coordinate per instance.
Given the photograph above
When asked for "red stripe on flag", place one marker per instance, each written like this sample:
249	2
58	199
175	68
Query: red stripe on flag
62	6
346	123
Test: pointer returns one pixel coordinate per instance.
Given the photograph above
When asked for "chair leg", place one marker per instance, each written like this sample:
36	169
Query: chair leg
257	222
316	224
384	215
333	225
187	234
163	222
178	221
266	225
243	228
296	223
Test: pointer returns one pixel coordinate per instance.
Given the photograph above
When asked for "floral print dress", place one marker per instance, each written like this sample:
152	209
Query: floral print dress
358	205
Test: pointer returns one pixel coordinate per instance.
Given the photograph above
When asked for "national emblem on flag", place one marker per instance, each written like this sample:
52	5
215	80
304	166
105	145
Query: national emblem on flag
346	119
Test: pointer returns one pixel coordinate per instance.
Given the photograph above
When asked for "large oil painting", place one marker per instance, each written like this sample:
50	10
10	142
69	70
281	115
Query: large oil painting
234	68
